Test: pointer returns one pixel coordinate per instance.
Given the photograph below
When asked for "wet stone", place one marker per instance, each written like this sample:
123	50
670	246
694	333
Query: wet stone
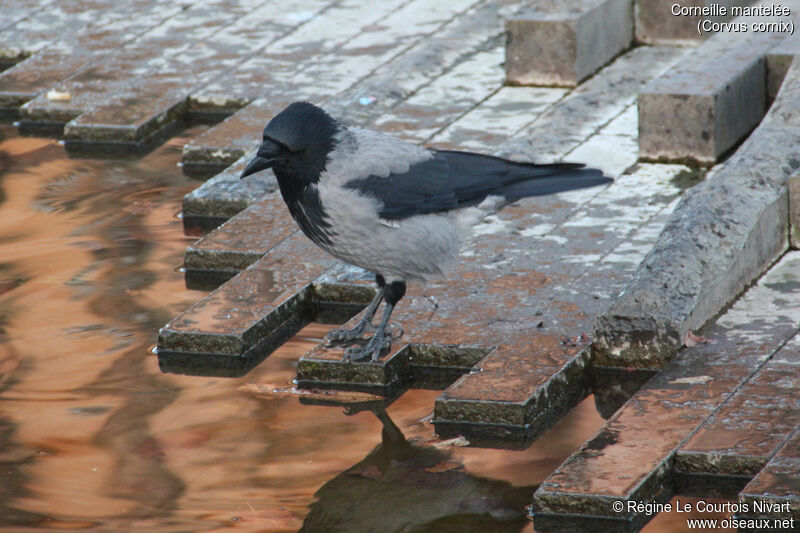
631	457
31	34
387	85
132	64
252	314
242	240
140	115
749	428
108	31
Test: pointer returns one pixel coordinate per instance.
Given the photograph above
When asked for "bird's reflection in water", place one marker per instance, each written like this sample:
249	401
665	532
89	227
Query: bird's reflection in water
414	488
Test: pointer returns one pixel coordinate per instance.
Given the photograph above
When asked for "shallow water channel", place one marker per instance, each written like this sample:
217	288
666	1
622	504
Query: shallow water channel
94	436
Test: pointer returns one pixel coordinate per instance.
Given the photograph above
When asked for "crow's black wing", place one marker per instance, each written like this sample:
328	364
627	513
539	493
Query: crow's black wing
452	179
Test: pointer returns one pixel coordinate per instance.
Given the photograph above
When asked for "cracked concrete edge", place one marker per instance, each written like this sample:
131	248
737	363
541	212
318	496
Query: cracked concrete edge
724	233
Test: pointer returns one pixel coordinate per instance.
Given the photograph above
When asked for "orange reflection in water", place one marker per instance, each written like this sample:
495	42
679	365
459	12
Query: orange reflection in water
92	434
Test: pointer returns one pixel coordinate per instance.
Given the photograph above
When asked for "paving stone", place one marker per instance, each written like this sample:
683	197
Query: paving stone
779	58
563	43
794	211
631	457
132	64
347	29
748	429
775	491
725	232
366	99
252	314
589	107
20	10
32	34
448	97
225	194
241	241
702	107
496	119
136	118
107	30
655	23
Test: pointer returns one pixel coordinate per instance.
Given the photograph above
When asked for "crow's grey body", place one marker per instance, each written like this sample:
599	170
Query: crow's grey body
414	248
389	206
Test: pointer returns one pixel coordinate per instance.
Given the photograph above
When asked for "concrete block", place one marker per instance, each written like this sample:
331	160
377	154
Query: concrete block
779	58
723	234
631	458
705	105
655	23
563	43
794	212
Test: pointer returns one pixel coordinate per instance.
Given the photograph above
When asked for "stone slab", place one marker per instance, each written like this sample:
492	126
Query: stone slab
748	429
241	315
108	30
725	232
495	120
132	64
702	107
775	491
541	136
563	43
241	241
135	118
590	106
655	23
794	211
367	98
333	48
20	10
779	58
32	34
631	457
448	97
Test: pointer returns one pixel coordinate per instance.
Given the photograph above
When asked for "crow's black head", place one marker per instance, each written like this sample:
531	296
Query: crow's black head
296	143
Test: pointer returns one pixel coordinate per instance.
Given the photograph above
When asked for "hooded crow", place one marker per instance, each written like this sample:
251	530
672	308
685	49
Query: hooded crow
389	206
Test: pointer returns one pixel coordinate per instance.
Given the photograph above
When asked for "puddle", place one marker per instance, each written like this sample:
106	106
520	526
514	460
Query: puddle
94	435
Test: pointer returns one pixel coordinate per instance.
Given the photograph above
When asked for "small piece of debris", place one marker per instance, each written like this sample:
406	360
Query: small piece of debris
690	339
691	380
455	441
269	390
58	96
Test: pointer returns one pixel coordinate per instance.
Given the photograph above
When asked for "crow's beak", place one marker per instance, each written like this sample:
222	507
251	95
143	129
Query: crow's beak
267	156
256	164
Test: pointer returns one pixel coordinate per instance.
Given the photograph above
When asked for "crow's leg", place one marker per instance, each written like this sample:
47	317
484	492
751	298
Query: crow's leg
392	293
365	324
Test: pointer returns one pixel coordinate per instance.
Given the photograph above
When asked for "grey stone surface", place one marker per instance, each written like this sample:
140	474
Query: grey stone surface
723	234
705	105
655	23
794	211
779	58
563	43
225	194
